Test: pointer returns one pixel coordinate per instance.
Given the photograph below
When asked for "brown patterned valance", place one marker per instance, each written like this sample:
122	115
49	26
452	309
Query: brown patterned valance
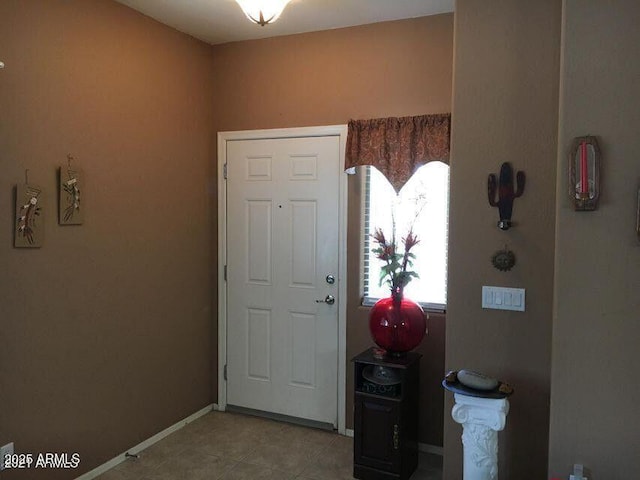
398	146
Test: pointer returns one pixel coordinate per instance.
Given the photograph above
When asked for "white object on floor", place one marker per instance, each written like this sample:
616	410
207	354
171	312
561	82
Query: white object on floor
578	470
5	450
481	420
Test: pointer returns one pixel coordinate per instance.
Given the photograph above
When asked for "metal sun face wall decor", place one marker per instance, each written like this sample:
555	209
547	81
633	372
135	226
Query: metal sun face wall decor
503	260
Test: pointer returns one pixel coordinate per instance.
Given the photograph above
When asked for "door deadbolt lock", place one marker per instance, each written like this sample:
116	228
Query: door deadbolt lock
329	300
330	279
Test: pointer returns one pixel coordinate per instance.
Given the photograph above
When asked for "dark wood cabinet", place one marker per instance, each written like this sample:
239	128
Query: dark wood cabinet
385	429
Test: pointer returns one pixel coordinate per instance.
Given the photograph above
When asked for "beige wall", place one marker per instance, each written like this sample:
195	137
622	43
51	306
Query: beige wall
386	69
110	322
324	78
105	330
594	395
505	109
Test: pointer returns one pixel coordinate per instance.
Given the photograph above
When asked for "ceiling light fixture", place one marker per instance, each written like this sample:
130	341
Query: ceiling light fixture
262	12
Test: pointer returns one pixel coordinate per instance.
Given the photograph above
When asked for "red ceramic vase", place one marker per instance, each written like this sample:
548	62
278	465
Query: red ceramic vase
397	324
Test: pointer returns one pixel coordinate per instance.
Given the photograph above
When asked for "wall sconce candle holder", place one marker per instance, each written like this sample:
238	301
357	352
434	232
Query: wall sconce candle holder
506	193
584	173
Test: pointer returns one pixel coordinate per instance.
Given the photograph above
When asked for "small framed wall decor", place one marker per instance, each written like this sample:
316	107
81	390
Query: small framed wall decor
584	173
29	223
70	211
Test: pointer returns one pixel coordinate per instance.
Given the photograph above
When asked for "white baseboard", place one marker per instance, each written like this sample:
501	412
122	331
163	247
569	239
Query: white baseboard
146	444
422	447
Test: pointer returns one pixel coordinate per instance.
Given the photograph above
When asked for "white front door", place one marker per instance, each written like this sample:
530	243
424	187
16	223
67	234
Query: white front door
282	250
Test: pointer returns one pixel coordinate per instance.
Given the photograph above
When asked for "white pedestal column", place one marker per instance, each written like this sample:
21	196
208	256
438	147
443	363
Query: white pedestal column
481	419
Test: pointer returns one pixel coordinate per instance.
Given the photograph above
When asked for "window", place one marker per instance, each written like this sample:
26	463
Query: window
423	202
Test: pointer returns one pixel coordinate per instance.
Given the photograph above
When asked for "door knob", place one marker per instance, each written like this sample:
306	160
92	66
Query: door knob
329	300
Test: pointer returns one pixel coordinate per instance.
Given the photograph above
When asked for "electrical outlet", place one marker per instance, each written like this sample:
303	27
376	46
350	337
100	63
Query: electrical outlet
6	450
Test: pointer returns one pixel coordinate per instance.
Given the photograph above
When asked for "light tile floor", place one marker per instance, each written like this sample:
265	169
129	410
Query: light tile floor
228	446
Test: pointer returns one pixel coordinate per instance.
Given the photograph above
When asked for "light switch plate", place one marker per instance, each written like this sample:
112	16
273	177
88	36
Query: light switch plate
503	298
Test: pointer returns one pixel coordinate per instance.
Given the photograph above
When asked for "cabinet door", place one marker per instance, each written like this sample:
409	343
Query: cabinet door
377	433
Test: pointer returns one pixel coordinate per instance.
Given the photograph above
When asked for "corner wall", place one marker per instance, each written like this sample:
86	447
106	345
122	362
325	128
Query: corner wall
505	103
105	331
323	78
594	392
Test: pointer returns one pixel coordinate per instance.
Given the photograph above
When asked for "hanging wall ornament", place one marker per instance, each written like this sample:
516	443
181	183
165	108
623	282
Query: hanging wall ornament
70	209
584	173
503	186
504	260
29	221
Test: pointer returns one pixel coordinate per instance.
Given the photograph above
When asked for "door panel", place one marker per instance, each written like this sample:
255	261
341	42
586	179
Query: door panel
282	241
258	233
259	347
303	349
303	243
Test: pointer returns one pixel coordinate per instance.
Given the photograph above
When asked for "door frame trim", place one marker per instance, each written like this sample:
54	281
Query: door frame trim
321	131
